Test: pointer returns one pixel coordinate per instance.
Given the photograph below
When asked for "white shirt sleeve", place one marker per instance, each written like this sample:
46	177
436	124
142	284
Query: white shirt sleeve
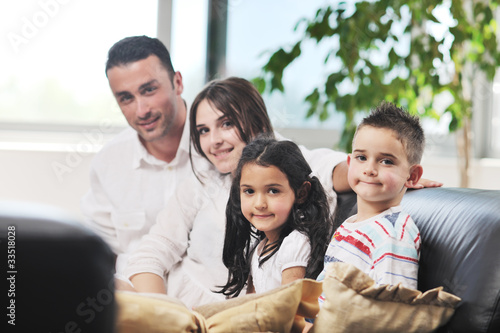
294	251
96	209
168	239
322	162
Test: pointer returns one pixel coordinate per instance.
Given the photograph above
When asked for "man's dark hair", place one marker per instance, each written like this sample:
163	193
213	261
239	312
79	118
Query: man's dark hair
135	48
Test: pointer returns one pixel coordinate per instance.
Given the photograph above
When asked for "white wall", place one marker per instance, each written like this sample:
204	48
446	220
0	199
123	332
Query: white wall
58	174
37	176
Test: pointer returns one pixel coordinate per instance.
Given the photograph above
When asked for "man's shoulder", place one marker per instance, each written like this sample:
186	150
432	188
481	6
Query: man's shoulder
127	137
121	146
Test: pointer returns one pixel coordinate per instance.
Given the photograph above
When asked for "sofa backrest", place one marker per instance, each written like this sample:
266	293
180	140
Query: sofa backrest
460	230
59	275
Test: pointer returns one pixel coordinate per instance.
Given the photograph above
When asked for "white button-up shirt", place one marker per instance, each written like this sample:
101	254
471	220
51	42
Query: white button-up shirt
129	186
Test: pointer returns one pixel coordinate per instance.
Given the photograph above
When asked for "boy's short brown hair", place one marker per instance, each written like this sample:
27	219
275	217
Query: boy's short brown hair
406	127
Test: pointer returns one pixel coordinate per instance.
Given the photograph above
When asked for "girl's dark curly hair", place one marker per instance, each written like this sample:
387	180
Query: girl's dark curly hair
310	217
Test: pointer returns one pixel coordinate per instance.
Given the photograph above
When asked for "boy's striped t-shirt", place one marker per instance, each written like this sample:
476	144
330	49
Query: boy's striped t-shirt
386	247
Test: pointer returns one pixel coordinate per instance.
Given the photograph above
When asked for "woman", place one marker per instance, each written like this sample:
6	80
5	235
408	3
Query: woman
182	254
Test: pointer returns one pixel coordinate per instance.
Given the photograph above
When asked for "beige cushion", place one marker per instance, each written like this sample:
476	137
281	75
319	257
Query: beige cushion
354	303
279	310
155	313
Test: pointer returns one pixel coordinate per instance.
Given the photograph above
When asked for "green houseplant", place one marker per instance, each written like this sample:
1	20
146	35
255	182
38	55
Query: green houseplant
430	49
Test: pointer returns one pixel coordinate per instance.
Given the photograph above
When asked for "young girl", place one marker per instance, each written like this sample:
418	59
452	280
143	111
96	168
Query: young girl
277	219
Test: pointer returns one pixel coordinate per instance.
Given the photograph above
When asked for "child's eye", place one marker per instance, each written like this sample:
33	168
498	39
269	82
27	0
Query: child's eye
273	191
361	158
387	162
247	191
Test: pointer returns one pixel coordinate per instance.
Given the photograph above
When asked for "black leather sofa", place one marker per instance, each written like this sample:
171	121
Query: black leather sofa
460	230
56	276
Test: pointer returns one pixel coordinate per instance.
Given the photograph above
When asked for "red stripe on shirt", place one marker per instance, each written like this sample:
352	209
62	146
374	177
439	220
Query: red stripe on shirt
395	256
354	242
404	227
365	236
417	238
381	226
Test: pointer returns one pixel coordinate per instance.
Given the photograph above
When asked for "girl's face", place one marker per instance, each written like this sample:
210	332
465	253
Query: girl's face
266	198
219	138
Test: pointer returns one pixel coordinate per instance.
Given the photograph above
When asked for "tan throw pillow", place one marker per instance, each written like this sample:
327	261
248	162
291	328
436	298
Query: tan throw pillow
354	303
155	313
279	310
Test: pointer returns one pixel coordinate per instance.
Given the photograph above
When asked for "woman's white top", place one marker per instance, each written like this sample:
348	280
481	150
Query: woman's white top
293	252
185	245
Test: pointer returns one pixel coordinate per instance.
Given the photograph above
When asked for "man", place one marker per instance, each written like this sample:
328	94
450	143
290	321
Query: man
134	175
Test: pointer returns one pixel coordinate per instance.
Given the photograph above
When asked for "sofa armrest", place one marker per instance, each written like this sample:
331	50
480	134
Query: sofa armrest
60	278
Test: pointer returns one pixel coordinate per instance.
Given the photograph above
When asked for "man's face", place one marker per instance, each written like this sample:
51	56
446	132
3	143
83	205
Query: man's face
148	99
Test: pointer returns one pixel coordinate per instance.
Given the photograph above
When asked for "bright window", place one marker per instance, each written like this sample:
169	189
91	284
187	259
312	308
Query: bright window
257	28
53	58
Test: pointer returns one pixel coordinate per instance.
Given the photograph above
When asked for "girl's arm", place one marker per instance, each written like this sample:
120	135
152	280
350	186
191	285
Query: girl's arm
291	274
250	287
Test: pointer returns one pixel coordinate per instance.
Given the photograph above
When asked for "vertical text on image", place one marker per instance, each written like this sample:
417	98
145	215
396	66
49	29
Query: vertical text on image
11	274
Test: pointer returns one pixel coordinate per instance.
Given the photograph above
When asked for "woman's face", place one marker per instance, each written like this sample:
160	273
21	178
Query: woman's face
219	138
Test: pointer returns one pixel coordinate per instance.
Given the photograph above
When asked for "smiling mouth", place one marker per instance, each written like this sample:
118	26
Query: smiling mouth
370	183
222	153
150	123
261	216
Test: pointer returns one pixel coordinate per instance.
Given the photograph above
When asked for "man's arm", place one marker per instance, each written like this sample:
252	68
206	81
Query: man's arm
96	209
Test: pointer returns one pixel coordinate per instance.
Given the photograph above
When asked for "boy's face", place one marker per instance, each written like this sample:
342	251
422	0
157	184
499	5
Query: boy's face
378	167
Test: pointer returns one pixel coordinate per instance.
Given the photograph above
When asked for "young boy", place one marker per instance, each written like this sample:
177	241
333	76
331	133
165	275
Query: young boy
382	240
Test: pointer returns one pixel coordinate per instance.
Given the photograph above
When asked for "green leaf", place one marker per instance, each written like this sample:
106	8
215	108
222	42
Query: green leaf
260	84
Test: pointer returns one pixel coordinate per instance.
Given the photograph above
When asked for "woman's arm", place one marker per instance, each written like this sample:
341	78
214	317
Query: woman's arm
148	283
427	183
166	243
